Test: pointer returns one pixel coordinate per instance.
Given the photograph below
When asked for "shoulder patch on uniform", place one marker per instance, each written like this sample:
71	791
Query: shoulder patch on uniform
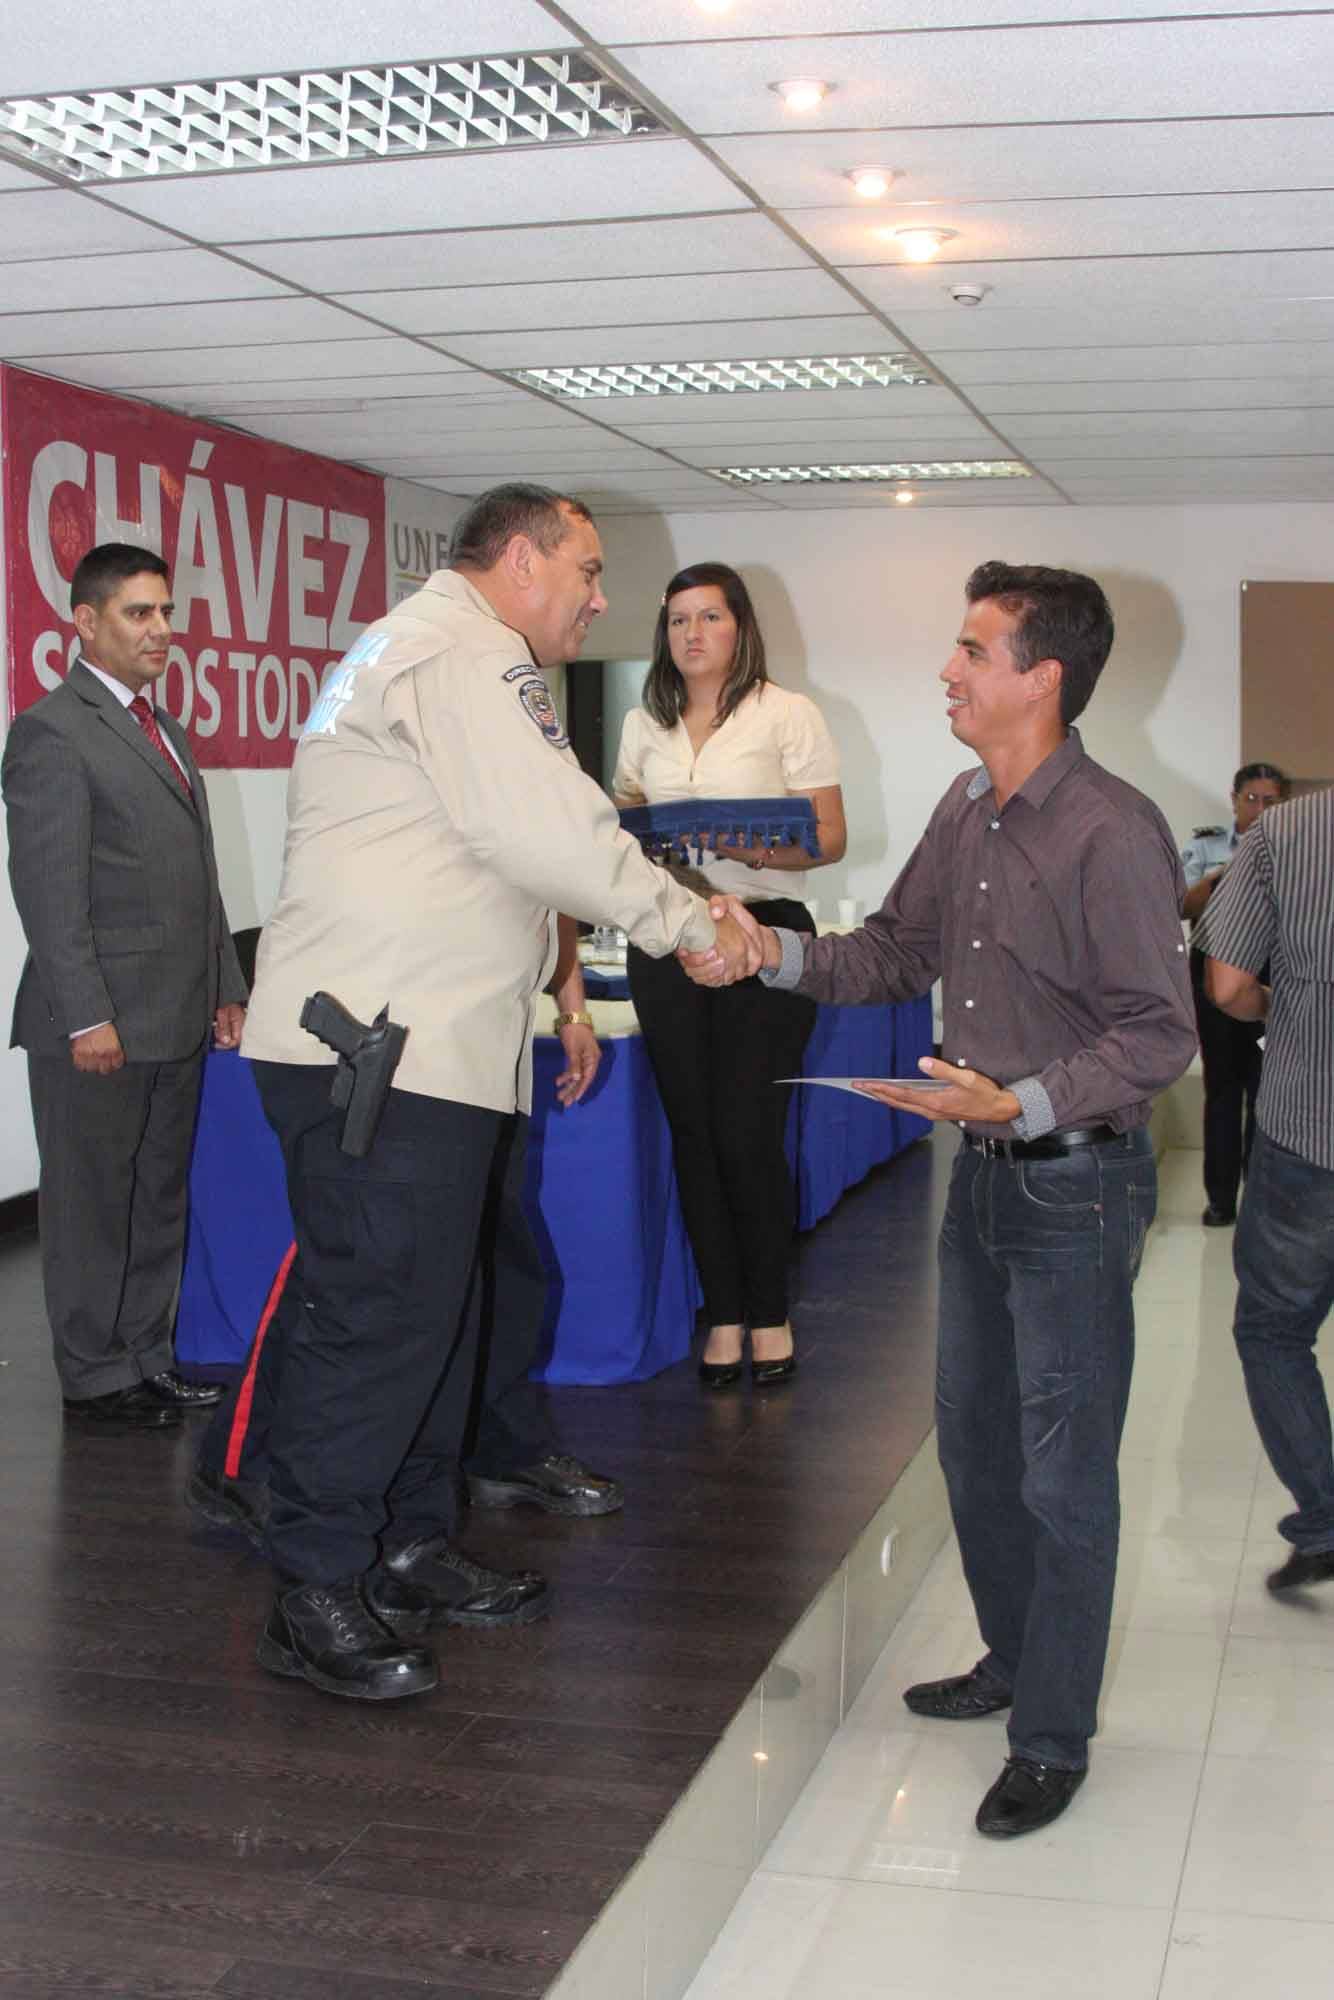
1204	832
535	700
517	674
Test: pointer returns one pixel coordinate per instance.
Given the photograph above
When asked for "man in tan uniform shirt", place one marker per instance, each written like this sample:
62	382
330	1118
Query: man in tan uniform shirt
436	818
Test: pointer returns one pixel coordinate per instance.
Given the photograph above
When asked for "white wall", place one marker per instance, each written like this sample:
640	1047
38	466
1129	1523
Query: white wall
859	610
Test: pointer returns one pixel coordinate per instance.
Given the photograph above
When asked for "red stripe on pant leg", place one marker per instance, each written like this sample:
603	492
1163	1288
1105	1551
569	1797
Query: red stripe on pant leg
241	1415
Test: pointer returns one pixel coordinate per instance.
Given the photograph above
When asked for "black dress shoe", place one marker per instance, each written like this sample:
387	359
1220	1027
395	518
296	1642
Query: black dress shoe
426	1582
324	1634
174	1390
1026	1796
558	1484
123	1410
229	1503
1301	1568
960	1698
720	1374
1218	1218
764	1374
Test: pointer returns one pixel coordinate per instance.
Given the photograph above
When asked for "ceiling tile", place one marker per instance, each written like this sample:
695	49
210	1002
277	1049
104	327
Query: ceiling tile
1004	401
66	45
467	190
1198	287
682	20
1036	163
1193	68
941	335
171	277
1182	434
130	327
571	251
1257	360
52	223
693	340
620	302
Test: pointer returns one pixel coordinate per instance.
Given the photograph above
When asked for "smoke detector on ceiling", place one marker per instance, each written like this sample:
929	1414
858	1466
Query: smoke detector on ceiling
968	295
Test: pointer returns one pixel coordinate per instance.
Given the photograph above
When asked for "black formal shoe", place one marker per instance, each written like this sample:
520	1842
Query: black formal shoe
960	1698
1026	1796
324	1634
1218	1218
178	1394
558	1484
720	1374
1303	1567
123	1410
764	1374
427	1582
229	1503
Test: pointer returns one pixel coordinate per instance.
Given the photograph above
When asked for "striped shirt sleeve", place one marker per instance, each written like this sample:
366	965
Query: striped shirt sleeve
1240	926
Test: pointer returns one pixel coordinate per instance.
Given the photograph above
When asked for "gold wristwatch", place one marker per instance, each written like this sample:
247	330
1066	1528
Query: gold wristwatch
583	1019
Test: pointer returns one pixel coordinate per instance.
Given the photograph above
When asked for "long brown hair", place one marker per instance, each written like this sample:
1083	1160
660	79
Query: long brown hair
665	689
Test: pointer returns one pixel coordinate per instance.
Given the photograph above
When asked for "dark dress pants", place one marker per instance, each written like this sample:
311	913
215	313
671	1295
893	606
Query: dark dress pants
1037	1333
1230	1056
487	1397
368	1387
715	1054
111	1208
1284	1258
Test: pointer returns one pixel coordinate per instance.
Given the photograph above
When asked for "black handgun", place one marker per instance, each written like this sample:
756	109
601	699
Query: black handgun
367	1059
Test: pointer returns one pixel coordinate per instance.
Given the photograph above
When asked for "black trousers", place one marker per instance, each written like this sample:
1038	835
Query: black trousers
479	1401
1231	1058
111	1205
715	1055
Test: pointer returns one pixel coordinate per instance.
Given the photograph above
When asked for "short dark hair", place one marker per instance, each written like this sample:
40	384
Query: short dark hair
664	689
1249	771
1062	616
484	532
105	568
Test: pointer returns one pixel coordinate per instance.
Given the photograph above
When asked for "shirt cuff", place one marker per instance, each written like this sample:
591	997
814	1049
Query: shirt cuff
785	975
76	1032
1036	1117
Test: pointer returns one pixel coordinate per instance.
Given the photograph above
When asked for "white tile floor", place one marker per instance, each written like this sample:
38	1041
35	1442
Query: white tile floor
1197	1862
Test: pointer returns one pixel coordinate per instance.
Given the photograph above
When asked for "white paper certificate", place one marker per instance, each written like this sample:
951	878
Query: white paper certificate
851	1082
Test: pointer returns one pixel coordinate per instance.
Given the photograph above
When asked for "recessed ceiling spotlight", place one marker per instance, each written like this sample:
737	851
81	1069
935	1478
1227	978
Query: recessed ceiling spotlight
802	93
919	246
904	497
871	182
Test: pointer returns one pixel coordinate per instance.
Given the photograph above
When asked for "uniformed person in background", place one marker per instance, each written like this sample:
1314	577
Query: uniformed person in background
1229	1050
436	818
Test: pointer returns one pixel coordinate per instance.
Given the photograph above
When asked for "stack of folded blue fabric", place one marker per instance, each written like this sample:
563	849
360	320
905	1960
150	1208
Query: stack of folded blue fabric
686	829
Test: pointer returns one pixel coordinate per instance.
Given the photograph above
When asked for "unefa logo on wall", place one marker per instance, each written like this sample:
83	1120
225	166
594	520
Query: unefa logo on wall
277	557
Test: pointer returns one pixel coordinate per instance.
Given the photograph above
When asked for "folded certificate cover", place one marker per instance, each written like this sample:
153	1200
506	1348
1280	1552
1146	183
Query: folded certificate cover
851	1082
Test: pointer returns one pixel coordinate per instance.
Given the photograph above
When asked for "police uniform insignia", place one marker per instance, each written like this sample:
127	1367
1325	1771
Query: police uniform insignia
535	697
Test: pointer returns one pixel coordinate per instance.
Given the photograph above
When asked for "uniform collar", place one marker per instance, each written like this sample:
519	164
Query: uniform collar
454	585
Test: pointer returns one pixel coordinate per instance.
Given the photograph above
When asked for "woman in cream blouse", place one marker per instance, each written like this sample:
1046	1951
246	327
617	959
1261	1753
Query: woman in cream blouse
713	725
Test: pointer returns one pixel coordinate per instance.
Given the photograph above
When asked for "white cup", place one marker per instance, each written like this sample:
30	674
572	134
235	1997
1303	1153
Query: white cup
813	908
849	911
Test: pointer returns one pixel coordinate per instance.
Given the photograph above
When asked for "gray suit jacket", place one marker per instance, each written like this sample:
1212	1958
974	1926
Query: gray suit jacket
115	880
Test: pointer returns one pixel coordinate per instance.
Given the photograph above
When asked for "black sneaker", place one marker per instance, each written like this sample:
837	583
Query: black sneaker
323	1633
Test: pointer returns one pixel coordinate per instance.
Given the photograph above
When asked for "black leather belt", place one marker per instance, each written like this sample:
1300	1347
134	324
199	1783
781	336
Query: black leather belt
1050	1147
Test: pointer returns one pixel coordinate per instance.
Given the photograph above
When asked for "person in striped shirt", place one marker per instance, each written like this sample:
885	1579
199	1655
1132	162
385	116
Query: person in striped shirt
1273	910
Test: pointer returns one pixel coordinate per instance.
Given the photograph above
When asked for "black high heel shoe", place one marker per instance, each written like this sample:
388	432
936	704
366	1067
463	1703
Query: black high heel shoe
764	1374
720	1374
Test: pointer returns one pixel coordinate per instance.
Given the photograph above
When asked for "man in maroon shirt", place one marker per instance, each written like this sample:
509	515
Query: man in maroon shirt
1045	893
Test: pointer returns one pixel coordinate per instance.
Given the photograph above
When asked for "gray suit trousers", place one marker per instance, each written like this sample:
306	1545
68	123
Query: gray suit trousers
111	1204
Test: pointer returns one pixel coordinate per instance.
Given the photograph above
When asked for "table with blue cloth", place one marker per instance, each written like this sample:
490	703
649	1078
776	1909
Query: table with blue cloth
602	1194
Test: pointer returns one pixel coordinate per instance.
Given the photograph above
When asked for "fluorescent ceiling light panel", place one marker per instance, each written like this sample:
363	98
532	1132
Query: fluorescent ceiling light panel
709	378
866	475
435	106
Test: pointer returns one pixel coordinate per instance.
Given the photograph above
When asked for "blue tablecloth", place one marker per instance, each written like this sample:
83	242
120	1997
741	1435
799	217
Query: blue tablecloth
602	1195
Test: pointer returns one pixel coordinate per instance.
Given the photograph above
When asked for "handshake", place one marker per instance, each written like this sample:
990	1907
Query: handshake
740	948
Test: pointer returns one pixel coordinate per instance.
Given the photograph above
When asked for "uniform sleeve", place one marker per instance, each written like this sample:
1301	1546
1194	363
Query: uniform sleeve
806	748
50	845
628	782
491	742
1240	926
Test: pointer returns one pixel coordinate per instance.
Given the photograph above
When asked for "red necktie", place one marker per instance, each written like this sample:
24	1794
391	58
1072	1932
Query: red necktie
141	708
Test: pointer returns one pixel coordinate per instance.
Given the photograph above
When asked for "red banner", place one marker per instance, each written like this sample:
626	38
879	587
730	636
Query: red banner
277	558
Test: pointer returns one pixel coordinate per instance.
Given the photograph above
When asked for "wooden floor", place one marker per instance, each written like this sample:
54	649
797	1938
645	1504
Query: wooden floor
174	1822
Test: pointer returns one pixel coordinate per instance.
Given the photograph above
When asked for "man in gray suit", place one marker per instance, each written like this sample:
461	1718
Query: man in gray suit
130	962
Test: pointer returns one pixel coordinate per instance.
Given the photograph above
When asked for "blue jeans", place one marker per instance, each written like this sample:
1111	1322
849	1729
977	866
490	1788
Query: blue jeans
1037	1340
1284	1259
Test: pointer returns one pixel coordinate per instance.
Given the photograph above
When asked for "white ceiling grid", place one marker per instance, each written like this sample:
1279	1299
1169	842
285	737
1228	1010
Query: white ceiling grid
1143	191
